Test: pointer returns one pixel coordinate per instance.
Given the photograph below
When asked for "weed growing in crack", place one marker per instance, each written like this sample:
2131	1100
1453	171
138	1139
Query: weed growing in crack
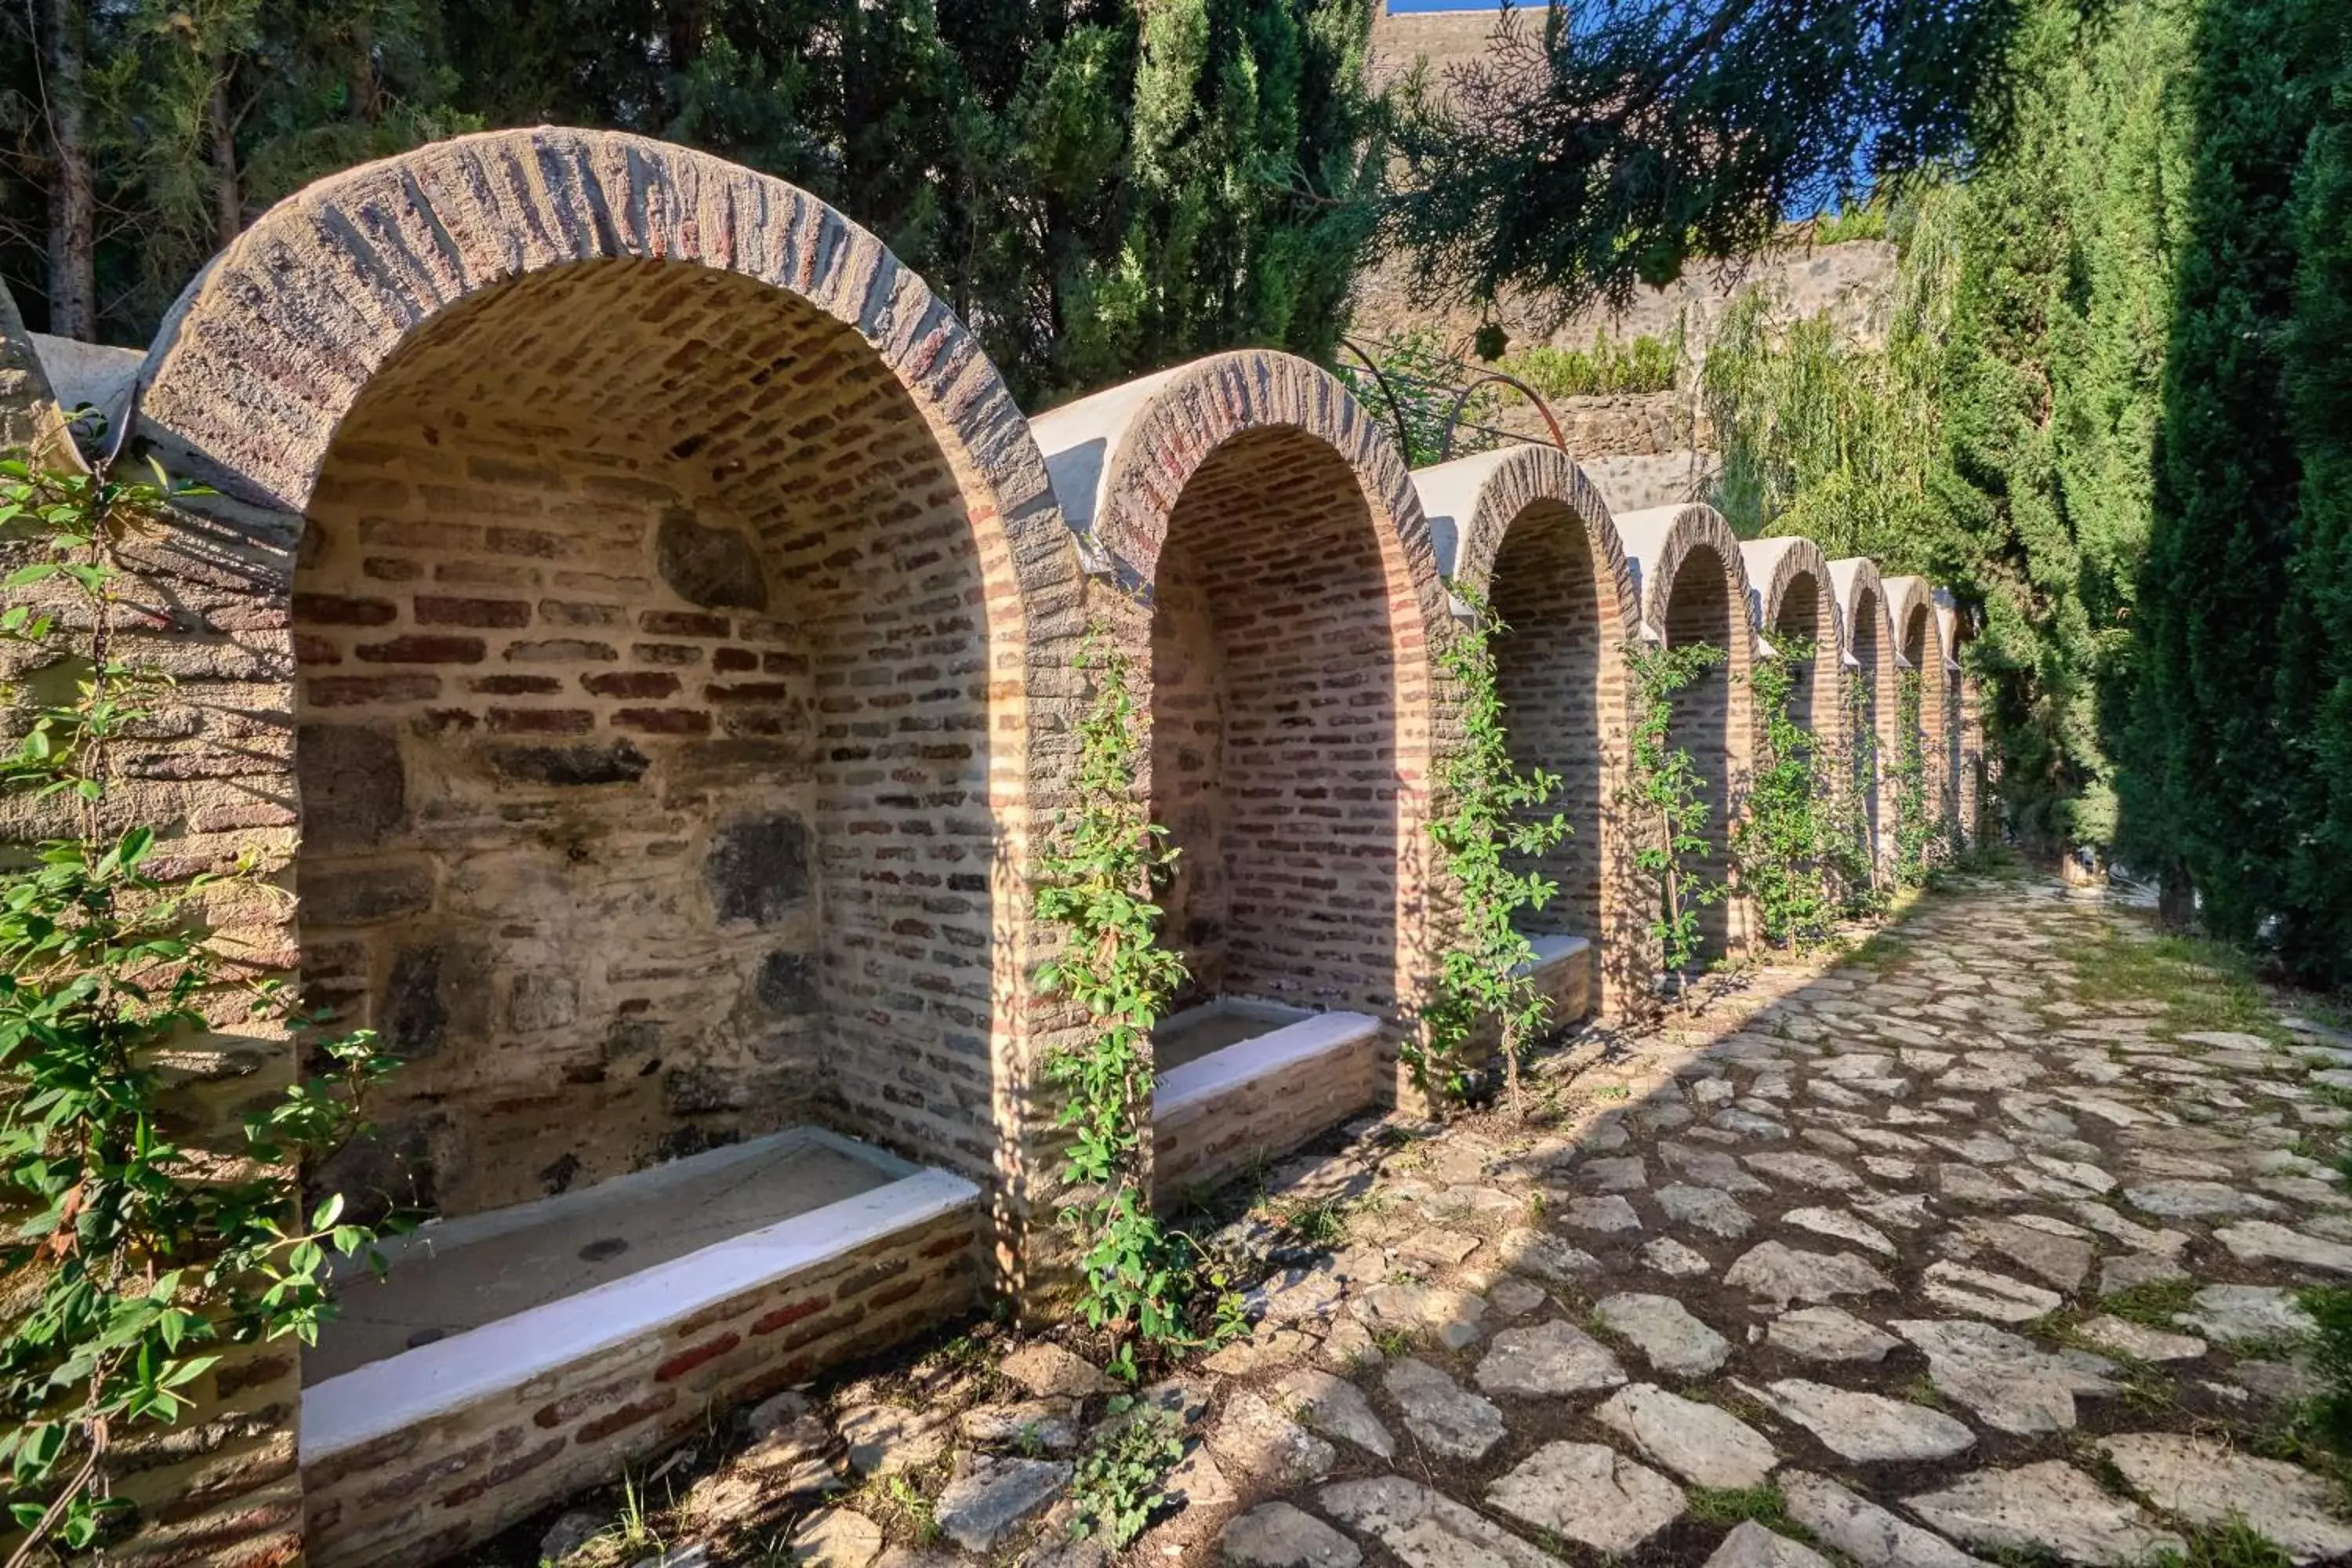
2152	1305
915	1510
1120	1481
2233	1543
1766	1505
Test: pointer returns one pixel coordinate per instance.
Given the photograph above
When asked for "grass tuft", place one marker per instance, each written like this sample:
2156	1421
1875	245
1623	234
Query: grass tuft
1766	1505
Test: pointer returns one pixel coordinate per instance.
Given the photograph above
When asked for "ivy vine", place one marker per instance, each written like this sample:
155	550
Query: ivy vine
134	1261
1667	796
1497	820
1916	835
1099	886
1785	844
1866	892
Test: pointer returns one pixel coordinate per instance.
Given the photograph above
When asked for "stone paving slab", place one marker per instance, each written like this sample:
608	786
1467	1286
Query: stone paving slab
1945	1252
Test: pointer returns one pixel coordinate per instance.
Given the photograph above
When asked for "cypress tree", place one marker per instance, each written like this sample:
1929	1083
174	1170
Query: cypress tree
2315	666
2212	791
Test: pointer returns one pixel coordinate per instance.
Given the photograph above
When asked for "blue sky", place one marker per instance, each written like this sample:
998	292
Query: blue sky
1396	5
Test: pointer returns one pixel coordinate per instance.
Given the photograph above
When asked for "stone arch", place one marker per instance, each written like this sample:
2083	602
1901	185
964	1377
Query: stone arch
1693	584
1792	602
662	579
1527	530
1867	628
1919	646
1282	596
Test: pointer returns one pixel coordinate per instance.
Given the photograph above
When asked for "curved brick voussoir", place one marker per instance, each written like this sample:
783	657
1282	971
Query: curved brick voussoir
1474	503
1121	458
1661	539
1790	594
266	350
1795	609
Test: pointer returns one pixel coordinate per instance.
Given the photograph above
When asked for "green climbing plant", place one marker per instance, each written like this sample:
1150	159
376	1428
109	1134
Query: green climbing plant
1787	843
1100	881
1916	834
1861	889
134	1259
1667	798
1495	823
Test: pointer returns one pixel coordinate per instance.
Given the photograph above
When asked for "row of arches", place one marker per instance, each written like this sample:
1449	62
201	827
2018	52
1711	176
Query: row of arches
653	644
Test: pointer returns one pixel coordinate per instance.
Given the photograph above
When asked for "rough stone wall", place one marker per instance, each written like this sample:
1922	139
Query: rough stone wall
1273	652
644	738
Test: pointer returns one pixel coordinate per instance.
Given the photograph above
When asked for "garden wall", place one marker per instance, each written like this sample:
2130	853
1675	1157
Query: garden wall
635	625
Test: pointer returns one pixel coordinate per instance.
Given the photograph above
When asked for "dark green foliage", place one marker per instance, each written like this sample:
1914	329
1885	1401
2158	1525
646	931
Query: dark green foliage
1607	143
2331	1354
2315	631
2238	734
2209	786
1099	189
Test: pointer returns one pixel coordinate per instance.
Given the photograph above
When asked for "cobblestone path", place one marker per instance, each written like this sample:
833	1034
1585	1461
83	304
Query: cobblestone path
1979	1246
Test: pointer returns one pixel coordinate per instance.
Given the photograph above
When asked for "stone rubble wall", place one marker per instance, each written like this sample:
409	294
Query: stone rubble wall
640	638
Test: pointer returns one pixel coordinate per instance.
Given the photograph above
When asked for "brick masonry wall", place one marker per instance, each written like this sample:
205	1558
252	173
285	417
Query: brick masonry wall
1274	759
1563	696
1202	1145
1875	671
1703	606
644	742
1804	612
431	1490
1540	543
250	386
576	393
1924	652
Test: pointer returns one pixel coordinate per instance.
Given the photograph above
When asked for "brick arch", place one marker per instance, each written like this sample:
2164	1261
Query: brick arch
268	349
1693	583
1531	534
1952	752
1867	628
1790	598
537	405
266	356
1920	644
1282	592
